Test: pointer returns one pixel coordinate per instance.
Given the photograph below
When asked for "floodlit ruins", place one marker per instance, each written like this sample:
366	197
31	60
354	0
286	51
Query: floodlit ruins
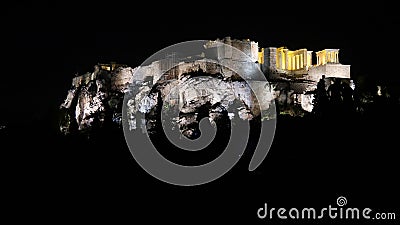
96	98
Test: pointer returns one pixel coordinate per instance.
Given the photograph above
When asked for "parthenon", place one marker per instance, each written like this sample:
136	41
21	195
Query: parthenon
293	60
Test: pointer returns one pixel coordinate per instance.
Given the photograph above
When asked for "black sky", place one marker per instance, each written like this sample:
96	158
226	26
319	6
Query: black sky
46	43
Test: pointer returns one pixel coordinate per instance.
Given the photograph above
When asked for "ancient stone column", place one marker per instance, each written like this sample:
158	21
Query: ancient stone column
286	60
337	57
301	60
293	63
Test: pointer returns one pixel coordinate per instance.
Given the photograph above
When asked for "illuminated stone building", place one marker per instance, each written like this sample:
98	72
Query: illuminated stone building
294	74
287	60
299	63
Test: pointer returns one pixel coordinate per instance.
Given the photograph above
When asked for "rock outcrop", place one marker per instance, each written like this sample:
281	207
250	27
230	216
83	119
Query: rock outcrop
95	99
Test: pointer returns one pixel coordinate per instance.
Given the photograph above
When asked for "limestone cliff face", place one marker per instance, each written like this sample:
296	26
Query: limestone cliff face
195	96
95	99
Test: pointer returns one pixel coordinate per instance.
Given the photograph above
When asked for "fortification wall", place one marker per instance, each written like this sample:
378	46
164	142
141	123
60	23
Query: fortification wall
249	48
329	70
121	78
83	79
269	59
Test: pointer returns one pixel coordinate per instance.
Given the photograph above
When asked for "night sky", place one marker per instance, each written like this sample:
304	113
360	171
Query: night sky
46	43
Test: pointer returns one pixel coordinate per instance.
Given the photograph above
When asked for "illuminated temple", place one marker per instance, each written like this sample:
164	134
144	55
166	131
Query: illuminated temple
282	61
